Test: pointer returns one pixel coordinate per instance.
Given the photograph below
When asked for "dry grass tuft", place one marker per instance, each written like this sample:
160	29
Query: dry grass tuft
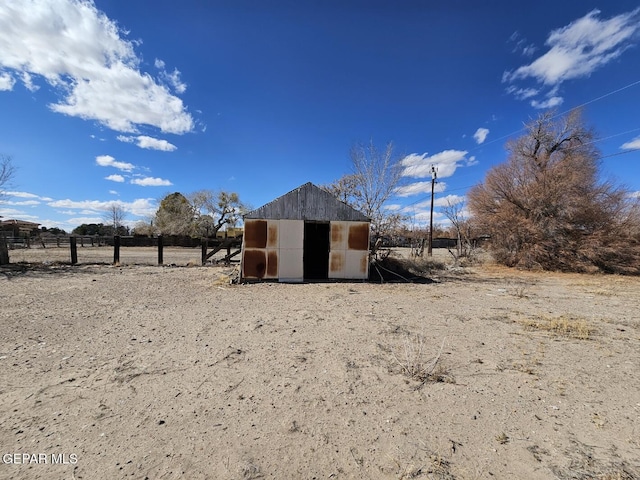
563	326
414	364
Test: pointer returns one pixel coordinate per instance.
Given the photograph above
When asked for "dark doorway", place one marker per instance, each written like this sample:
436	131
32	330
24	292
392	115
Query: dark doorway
316	250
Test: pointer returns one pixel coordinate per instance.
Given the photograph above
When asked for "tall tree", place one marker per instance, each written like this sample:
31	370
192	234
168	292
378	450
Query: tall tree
175	215
374	178
546	206
7	173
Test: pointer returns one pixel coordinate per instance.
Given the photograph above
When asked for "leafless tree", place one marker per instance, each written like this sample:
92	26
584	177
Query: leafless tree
7	172
461	227
374	178
115	216
546	206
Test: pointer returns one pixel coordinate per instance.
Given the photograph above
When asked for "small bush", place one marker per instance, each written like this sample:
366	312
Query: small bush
567	327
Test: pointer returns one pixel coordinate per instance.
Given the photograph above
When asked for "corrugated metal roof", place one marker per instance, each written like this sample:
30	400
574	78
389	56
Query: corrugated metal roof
308	202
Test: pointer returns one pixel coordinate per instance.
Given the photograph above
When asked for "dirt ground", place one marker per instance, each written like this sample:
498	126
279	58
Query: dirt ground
171	372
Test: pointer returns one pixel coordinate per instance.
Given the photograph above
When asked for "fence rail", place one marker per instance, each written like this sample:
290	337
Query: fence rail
128	250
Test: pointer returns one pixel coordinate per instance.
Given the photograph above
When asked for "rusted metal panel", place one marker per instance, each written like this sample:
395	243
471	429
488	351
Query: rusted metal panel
272	264
337	263
272	234
255	234
358	236
339	232
307	202
254	263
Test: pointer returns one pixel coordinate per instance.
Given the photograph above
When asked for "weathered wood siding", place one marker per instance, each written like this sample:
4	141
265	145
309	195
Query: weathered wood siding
307	202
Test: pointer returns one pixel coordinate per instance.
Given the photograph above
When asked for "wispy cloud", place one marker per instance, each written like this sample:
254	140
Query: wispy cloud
446	163
576	51
144	141
10	194
632	145
140	207
172	79
109	161
115	178
86	58
151	182
481	135
6	81
24	203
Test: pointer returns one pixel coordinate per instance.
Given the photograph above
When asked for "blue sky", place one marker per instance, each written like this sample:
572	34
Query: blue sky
114	101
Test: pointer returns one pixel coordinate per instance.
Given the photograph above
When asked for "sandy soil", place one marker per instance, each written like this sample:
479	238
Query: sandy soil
170	372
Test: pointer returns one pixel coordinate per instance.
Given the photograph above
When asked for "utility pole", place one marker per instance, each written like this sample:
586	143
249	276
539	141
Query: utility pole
434	176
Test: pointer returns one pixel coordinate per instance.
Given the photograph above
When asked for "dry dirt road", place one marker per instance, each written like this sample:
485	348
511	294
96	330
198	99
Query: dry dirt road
166	373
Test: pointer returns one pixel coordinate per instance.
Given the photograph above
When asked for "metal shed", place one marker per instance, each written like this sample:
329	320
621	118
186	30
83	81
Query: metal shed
303	235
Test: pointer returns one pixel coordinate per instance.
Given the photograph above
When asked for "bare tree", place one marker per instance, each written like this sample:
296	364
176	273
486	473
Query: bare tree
461	225
7	172
374	178
115	216
546	207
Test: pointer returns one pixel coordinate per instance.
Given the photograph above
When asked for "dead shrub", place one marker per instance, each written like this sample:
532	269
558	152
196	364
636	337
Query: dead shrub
413	362
564	326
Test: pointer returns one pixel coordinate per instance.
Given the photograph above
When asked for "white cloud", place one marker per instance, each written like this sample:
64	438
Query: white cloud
522	93
141	207
26	195
419	166
151	182
82	54
27	80
481	135
418	188
579	49
548	103
144	141
115	178
21	203
6	82
109	161
632	145
448	200
113	192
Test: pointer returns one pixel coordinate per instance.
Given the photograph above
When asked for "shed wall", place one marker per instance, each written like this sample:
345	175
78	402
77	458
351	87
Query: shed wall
273	249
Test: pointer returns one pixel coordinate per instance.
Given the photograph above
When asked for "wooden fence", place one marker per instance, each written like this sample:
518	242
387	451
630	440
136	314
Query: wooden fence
207	247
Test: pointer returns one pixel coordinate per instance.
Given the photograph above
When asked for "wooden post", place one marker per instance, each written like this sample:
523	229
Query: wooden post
74	250
160	259
204	251
82	241
58	242
116	249
4	250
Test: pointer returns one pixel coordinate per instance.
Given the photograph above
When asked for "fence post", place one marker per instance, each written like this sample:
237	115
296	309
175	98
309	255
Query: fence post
74	250
116	249
204	250
160	245
4	250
